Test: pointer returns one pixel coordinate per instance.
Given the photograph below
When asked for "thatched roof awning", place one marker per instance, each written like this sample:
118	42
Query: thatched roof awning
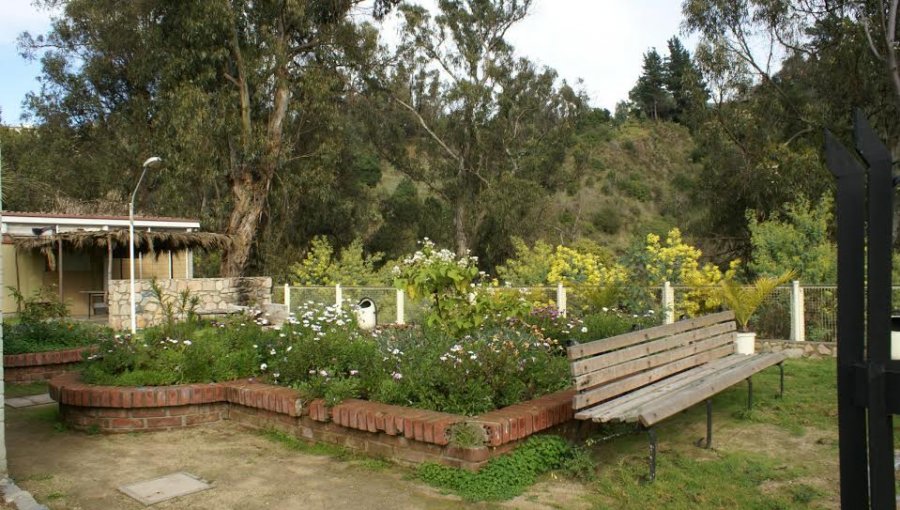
144	241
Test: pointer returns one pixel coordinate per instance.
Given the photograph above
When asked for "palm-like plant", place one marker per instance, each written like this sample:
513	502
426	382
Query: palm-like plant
743	299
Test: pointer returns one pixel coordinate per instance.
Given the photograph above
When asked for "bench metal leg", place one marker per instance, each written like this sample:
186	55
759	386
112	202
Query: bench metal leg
654	446
749	393
708	423
781	380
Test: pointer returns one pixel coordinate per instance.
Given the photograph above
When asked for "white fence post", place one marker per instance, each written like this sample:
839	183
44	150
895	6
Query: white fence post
338	296
668	303
287	297
798	326
561	304
400	307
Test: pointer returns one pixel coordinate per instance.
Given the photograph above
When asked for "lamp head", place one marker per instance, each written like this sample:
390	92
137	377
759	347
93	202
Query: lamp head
152	161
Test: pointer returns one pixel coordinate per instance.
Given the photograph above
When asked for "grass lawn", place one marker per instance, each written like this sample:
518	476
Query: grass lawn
782	454
25	389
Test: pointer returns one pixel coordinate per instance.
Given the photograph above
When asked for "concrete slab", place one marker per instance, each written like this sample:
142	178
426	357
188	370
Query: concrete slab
40	400
164	488
19	402
31	400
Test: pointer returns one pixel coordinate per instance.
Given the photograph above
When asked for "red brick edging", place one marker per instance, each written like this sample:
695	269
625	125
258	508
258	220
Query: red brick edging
406	434
41	366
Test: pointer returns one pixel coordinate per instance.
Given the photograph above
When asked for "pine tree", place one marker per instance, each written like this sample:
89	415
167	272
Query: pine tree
649	95
684	82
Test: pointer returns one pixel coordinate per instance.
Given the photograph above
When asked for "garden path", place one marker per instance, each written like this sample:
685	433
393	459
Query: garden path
70	470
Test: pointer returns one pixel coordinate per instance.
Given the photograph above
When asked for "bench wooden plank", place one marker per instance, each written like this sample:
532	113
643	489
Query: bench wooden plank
611	410
663	408
579	351
608	391
602	361
611	373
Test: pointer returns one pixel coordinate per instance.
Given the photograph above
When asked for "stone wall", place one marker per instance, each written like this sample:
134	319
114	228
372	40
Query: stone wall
215	295
812	350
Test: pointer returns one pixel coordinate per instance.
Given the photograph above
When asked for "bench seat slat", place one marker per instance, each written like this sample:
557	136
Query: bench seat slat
613	410
663	408
576	352
607	360
614	389
642	363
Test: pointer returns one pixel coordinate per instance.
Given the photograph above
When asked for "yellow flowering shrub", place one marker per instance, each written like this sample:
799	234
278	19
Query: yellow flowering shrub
679	263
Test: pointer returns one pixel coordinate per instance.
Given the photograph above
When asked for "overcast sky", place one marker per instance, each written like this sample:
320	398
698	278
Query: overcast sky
599	41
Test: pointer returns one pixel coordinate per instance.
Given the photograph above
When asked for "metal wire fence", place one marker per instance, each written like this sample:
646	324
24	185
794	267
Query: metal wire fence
772	320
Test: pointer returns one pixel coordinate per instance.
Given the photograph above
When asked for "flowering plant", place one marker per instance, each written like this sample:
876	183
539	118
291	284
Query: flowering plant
460	297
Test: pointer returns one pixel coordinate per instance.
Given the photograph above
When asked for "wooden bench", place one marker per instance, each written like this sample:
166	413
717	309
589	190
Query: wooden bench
646	376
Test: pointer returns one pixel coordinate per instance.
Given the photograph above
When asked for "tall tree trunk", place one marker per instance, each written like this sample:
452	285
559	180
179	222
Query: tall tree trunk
249	194
459	225
250	184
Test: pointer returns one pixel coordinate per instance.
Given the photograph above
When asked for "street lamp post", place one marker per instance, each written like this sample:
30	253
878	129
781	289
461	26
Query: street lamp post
150	162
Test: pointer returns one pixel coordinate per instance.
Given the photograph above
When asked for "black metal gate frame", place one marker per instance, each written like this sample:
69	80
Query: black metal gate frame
868	381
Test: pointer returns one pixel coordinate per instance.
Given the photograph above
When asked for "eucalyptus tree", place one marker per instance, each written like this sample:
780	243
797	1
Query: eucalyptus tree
779	72
482	130
235	94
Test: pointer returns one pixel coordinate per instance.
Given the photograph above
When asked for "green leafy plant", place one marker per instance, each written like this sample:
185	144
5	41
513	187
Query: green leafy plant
507	476
743	300
458	295
182	306
466	435
43	325
43	304
323	266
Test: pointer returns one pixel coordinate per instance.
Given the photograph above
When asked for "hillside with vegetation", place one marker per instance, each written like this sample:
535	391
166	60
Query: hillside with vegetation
280	125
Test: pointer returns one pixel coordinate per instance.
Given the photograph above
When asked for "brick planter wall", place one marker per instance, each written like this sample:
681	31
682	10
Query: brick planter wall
40	366
400	433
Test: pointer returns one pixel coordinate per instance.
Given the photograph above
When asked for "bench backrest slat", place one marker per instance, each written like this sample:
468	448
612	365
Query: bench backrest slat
577	352
606	360
640	379
613	372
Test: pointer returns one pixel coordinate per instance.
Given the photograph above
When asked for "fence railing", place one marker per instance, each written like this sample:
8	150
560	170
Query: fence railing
795	312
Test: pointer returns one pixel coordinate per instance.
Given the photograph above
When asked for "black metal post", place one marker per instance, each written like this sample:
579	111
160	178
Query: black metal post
781	380
851	296
749	394
878	296
708	423
868	381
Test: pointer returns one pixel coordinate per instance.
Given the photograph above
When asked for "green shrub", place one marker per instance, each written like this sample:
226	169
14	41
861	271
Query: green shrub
612	322
197	352
459	298
507	476
323	354
51	335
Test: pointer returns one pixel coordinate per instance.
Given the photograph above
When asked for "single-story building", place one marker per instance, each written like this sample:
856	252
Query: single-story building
77	255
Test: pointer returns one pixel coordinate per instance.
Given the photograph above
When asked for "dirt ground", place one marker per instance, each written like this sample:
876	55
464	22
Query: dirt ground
73	470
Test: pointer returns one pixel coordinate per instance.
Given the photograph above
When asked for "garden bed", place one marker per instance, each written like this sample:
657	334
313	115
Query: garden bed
41	366
400	433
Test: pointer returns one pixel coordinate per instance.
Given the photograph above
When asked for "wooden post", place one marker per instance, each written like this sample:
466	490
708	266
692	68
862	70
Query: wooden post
59	265
798	326
561	299
668	303
109	264
171	266
401	305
